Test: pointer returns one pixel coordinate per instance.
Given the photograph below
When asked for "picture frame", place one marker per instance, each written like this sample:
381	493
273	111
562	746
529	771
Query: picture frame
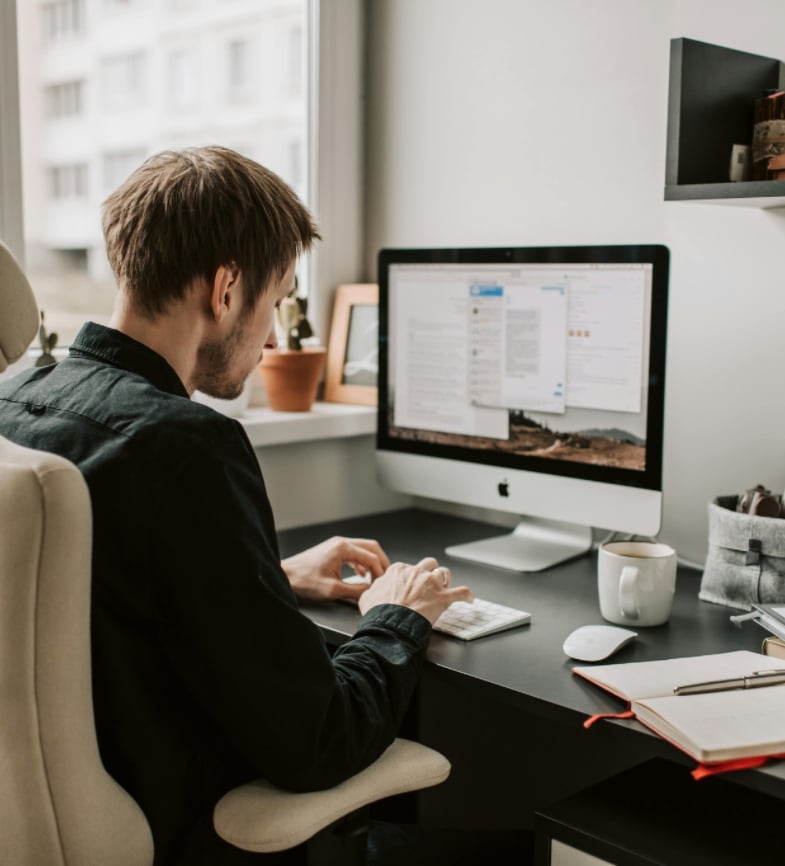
352	350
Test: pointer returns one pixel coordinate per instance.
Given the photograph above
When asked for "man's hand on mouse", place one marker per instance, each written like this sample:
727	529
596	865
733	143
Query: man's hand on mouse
424	587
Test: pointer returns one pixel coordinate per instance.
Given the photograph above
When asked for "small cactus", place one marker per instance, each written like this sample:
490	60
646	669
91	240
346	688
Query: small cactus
48	343
292	316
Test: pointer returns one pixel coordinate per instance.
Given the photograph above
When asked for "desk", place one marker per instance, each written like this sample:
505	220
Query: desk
510	698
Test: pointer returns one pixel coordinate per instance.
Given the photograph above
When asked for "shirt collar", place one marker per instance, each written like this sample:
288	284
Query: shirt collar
114	347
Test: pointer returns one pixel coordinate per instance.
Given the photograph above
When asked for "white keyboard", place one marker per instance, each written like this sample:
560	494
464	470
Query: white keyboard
468	620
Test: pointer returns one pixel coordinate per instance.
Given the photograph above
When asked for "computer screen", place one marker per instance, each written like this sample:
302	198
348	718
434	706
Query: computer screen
527	380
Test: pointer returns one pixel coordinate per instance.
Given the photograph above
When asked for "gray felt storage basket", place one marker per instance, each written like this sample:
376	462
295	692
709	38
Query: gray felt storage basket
746	558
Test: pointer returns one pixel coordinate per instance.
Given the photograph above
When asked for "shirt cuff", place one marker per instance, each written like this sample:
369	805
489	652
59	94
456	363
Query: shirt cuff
402	620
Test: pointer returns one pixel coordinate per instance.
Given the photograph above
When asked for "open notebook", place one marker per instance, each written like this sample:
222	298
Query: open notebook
714	726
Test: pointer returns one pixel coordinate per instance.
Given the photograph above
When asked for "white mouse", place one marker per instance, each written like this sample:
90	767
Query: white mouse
593	643
358	578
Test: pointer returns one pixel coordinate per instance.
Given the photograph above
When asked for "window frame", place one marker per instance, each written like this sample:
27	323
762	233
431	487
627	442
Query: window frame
11	226
336	150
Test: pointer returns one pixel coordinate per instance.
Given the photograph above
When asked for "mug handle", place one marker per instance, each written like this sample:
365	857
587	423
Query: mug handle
628	603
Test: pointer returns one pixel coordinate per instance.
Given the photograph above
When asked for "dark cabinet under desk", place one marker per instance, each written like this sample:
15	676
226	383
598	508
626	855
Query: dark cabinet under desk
657	813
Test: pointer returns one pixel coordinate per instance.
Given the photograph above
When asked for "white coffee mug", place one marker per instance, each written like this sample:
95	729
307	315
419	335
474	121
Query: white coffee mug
636	581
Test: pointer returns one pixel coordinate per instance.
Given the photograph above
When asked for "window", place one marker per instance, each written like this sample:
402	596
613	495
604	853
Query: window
296	172
119	164
295	59
119	96
64	100
62	18
237	78
184	79
68	181
123	81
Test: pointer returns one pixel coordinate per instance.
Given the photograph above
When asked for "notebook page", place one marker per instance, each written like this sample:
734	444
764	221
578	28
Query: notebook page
718	726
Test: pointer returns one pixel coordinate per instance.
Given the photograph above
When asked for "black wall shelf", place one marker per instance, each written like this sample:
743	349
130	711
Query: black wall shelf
710	108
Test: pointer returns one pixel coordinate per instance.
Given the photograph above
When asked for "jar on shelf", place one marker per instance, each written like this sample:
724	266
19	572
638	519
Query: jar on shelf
768	136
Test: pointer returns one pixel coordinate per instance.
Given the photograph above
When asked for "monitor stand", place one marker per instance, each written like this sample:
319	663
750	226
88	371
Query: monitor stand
534	545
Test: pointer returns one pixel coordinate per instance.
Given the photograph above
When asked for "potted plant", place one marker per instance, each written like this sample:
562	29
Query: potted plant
291	373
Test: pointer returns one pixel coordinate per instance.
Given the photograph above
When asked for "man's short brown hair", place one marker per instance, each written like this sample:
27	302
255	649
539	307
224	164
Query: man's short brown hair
183	214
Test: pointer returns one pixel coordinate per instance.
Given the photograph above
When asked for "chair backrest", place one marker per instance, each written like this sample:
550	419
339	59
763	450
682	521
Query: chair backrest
58	805
18	310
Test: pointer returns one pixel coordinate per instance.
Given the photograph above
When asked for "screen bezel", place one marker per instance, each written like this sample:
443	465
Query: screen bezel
655	254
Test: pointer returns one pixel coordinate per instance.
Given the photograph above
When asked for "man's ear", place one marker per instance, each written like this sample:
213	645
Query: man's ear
226	293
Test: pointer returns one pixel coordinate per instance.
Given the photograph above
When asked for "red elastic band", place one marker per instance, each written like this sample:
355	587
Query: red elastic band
703	771
592	719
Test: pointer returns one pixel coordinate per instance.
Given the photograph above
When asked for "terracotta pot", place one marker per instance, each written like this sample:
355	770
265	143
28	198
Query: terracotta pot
291	379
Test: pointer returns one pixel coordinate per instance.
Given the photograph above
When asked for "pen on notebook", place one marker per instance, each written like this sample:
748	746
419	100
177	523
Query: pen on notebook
739	618
755	680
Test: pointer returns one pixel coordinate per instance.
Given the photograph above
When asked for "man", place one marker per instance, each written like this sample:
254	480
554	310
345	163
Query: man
205	672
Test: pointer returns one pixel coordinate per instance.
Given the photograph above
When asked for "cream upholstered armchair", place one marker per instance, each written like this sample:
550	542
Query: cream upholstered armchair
58	805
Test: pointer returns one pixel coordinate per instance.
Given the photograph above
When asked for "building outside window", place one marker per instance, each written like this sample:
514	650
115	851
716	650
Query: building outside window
129	76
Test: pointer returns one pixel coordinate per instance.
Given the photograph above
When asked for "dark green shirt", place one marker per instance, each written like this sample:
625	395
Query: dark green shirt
205	673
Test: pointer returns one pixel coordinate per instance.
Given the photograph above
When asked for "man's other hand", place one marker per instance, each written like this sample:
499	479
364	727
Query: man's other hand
425	587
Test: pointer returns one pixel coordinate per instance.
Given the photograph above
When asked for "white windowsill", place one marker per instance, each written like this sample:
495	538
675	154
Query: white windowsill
324	421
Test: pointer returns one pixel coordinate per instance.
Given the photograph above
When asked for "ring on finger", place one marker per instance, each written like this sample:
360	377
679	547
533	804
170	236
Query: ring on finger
445	575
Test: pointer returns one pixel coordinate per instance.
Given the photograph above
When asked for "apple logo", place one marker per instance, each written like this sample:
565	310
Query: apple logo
504	488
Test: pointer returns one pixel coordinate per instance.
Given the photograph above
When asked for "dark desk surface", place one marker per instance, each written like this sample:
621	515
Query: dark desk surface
526	666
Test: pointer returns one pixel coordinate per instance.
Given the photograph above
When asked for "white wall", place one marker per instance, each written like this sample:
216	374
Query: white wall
314	482
494	122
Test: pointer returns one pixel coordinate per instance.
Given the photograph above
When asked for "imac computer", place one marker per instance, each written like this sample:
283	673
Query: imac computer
527	380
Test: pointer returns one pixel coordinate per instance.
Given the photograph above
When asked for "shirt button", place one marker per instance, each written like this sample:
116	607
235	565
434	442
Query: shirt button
36	409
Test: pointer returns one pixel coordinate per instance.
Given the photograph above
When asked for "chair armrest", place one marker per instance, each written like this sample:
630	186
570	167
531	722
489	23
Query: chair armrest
258	817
